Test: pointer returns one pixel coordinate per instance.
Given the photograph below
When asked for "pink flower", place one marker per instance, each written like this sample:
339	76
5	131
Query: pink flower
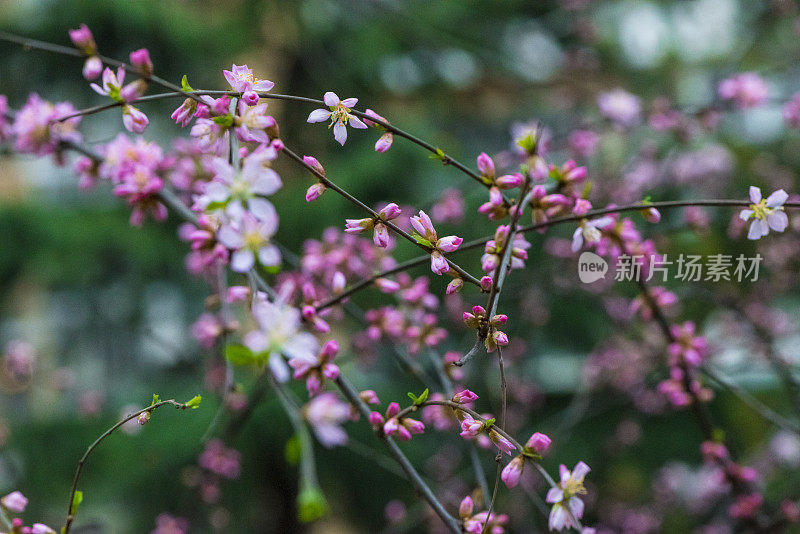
14	502
339	115
242	80
38	128
141	187
250	238
745	90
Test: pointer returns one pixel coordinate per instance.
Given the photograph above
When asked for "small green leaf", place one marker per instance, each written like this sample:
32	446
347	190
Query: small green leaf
156	398
440	155
528	143
489	422
239	355
224	120
422	398
412	397
194	402
421	240
215	205
185	87
293	450
311	505
77	499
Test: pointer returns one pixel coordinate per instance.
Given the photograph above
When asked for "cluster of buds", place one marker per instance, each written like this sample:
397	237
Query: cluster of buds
496	208
482	521
426	235
402	427
317	371
487	327
380	235
495	248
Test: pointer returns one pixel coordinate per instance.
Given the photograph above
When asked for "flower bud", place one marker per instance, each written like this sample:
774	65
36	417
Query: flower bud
143	418
386	285
486	283
454	286
463	397
141	60
538	442
14	502
370	397
250	98
486	165
375	419
465	508
92	67
315	191
83	39
389	212
339	282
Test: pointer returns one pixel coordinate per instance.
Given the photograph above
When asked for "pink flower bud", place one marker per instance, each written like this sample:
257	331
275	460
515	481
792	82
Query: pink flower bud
386	285
83	39
651	215
449	243
389	212
463	397
486	165
381	236
439	264
141	60
315	191
538	442
509	181
513	471
582	206
375	419
499	319
250	98
486	283
392	410
384	142
339	282
92	67
313	163
500	338
40	528
277	144
143	418
237	293
370	397
454	286
478	311
465	508
14	502
414	426
329	349
134	120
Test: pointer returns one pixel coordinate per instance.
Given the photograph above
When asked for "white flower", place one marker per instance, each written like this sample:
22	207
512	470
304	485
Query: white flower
766	213
588	230
326	413
241	192
339	115
564	498
279	333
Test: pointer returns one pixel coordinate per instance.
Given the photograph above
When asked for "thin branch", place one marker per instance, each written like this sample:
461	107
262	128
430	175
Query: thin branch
71	510
422	488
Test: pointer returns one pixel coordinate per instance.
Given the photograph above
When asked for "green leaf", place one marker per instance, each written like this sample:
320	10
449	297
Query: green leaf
194	402
77	499
185	87
239	355
528	143
216	205
224	120
422	398
440	155
311	505
489	422
156	398
293	450
421	240
412	397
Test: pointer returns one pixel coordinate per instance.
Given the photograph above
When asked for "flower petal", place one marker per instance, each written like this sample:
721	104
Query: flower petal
355	122
318	115
778	220
776	199
331	99
340	133
349	102
755	194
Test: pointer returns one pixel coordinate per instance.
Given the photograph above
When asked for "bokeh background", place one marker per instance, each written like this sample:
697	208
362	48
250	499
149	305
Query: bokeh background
108	308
